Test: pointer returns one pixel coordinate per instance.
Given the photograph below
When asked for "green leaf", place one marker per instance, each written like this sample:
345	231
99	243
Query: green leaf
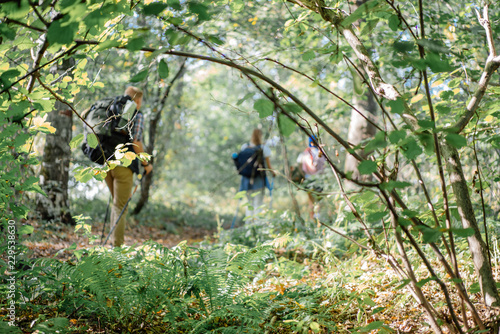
404	222
292	108
410	213
264	107
216	40
286	125
26	229
140	76
336	57
433	45
7	329
376	216
475	288
84	175
411	149
377	310
108	45
396	136
200	9
397	106
430	235
92	140
61	33
76	141
378	142
244	98
7	32
309	55
426	124
54	325
363	11
423	282
154	8
436	64
371	326
175	4
367	167
390	185
394	22
463	232
135	44
369	302
446	94
19	211
456	140
162	69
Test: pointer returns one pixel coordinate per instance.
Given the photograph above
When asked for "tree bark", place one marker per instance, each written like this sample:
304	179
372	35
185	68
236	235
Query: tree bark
477	245
54	174
153	127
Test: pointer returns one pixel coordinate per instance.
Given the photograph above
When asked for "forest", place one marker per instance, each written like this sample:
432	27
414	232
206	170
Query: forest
395	232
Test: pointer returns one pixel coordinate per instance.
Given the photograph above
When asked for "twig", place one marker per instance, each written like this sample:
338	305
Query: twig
76	113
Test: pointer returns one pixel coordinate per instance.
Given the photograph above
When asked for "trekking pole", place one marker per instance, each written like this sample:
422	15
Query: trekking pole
123	210
106	216
271	194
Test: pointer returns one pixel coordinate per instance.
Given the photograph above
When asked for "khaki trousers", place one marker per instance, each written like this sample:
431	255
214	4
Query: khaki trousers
120	181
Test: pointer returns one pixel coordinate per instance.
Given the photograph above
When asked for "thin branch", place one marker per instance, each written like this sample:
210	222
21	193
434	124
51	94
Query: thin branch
36	64
57	97
7	20
492	64
40	17
327	90
67	52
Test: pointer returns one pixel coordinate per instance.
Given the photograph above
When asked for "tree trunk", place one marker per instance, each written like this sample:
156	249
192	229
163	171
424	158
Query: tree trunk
153	127
477	245
54	174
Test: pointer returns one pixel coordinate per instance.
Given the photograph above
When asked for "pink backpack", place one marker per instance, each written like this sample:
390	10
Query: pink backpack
313	161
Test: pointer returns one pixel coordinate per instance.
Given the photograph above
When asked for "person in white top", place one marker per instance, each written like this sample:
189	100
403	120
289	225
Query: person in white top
312	162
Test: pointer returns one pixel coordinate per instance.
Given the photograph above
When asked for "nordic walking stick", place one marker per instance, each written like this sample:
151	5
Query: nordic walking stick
106	216
271	194
123	210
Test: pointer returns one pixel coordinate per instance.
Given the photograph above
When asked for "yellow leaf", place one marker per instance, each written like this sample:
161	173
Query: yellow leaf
417	98
38	121
130	155
437	83
489	119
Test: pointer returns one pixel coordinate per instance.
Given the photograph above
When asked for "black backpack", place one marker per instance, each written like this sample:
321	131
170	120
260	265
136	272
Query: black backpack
110	119
250	162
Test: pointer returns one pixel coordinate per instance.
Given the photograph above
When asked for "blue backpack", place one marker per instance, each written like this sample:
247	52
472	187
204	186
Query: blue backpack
250	162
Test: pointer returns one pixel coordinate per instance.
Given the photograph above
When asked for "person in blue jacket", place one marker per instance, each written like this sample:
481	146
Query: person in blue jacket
255	187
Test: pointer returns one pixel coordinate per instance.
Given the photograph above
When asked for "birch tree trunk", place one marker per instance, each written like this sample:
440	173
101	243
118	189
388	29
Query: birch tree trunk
54	173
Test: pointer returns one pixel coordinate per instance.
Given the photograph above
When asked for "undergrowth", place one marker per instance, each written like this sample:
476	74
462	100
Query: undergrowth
153	289
276	275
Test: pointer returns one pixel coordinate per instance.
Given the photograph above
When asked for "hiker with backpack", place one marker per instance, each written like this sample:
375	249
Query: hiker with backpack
311	162
253	158
118	121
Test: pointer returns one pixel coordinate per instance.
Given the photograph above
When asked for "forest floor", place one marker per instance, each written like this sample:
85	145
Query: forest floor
53	240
